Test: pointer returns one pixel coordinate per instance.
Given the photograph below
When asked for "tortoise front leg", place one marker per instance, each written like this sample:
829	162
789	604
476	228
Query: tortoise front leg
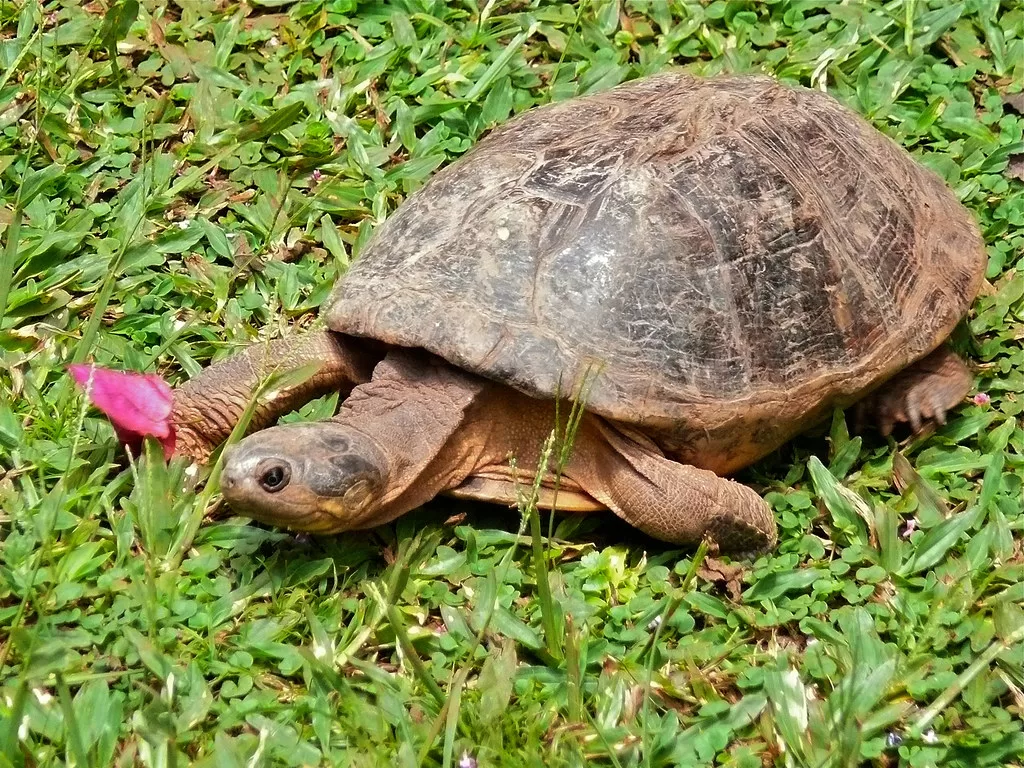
665	499
207	408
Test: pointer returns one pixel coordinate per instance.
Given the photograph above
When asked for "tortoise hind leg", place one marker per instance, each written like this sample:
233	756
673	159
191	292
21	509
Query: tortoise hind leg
923	392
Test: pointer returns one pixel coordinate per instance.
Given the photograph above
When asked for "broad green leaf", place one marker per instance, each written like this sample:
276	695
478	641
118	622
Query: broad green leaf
216	238
848	511
37	182
270	125
938	541
931	508
120	16
890	547
496	679
791	705
777	584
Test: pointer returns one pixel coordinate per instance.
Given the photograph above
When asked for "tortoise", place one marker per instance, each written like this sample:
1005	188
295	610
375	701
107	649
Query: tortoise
718	263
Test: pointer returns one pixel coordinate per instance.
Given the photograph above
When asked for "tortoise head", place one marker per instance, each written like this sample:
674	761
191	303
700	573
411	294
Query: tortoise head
317	477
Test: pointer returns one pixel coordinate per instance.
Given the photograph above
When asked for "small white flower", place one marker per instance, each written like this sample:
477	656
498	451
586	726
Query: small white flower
467	761
929	737
184	224
43	697
273	42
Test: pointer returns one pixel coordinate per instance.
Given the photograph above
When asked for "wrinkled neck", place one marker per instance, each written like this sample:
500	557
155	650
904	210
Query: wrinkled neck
414	411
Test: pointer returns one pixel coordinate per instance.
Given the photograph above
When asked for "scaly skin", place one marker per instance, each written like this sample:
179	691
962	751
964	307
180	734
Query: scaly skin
209	406
922	393
421	427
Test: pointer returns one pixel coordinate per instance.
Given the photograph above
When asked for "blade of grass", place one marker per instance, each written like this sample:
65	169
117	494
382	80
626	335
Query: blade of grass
573	681
8	258
408	650
497	67
71	726
670	608
549	619
92	327
963	680
453	705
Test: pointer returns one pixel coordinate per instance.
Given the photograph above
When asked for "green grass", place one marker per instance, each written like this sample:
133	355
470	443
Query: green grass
204	189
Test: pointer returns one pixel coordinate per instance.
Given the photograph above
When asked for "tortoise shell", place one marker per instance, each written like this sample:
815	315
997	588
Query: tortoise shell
723	260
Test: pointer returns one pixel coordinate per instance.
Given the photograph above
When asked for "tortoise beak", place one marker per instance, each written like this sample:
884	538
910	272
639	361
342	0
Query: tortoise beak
228	473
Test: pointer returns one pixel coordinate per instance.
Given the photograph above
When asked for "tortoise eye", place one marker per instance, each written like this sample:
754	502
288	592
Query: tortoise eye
275	477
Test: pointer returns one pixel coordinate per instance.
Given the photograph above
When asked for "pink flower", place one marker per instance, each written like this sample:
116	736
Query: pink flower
317	175
981	399
137	404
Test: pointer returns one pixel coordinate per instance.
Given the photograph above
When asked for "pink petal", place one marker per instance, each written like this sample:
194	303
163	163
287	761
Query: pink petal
137	404
981	399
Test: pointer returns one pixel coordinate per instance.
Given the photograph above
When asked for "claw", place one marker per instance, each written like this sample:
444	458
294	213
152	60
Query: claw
913	409
921	393
859	411
885	422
